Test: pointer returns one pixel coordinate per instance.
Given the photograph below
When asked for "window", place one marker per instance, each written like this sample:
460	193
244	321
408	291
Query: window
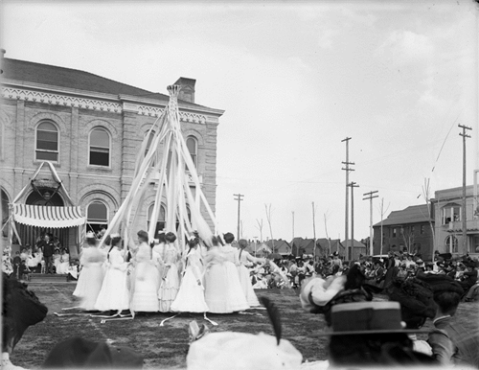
97	216
150	139
451	213
394	232
451	244
47	142
192	145
99	147
161	221
412	230
422	229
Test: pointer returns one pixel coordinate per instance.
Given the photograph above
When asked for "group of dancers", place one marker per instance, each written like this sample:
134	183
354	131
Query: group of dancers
157	277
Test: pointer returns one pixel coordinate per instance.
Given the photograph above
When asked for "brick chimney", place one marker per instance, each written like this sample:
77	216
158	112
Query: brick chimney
187	91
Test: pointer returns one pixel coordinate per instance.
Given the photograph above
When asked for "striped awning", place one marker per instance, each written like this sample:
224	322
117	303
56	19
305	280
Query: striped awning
44	216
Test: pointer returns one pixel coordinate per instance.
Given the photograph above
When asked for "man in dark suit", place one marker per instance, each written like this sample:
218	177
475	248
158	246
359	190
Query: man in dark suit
459	345
48	248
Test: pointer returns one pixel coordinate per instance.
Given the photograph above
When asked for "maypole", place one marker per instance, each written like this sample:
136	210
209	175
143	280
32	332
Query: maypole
173	186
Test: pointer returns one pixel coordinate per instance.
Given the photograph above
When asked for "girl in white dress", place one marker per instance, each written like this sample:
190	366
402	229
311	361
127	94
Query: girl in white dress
114	294
82	287
64	263
223	292
191	295
91	276
146	278
170	281
236	297
56	260
244	275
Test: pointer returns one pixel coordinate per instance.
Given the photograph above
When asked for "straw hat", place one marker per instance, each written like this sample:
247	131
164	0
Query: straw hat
361	318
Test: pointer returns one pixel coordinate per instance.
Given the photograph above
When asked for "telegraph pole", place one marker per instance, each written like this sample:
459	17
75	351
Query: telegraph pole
239	198
463	216
347	169
352	185
369	196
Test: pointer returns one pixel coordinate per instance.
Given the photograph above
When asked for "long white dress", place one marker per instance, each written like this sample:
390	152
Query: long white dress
191	295
171	281
56	261
64	264
114	293
223	292
145	282
91	277
244	275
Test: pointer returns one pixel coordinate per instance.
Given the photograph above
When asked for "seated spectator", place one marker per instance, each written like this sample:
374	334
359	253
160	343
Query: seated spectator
402	274
24	271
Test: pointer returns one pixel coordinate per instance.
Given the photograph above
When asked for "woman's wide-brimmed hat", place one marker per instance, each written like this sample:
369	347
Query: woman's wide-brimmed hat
90	235
360	318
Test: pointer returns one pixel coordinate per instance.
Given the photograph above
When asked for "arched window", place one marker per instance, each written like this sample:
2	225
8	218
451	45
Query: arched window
451	244
5	213
99	147
97	215
161	221
148	145
47	142
192	145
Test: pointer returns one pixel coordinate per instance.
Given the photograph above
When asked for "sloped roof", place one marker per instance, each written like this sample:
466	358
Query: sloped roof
280	246
355	243
31	72
409	215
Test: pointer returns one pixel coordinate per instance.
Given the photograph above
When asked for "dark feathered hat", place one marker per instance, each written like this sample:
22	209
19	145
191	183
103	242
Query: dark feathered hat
416	299
441	283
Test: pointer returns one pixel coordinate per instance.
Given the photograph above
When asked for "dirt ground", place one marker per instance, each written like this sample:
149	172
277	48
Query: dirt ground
167	346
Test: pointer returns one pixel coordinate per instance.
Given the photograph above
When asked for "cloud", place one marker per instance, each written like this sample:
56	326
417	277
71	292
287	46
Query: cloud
404	47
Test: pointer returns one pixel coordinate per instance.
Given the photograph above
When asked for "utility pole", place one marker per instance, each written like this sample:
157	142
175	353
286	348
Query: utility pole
239	198
352	185
347	169
464	220
314	233
369	196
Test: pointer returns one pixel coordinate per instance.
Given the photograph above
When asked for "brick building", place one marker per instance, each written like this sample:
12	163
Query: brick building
448	206
91	129
409	229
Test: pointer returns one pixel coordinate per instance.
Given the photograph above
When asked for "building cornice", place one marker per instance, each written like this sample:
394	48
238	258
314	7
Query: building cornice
100	102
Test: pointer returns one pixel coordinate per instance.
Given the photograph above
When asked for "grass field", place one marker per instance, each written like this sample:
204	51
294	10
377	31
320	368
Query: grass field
167	346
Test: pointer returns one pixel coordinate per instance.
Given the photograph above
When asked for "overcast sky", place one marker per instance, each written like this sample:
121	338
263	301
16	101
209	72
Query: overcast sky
294	80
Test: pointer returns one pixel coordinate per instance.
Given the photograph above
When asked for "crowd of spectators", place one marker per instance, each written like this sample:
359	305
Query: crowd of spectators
402	265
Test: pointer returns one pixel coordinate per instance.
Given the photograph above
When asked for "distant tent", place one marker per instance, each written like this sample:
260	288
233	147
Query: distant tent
263	249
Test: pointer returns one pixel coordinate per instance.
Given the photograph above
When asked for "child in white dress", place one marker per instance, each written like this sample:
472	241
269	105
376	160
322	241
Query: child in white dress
114	294
170	281
191	295
244	275
145	278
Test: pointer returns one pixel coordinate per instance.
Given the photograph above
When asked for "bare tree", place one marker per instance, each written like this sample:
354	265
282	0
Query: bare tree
267	208
260	228
408	237
327	236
